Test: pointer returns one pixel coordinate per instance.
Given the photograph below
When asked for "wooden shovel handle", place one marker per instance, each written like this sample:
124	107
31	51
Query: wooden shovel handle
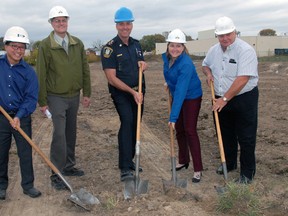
139	104
220	141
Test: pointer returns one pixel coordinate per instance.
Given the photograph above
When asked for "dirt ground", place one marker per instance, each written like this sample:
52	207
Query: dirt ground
97	155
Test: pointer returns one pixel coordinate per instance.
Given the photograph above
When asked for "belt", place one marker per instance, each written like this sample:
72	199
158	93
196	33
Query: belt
11	113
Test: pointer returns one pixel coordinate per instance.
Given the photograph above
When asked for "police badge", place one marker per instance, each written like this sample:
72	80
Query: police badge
107	52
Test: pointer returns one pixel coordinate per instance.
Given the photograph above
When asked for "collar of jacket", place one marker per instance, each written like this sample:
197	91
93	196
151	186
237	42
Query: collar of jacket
54	44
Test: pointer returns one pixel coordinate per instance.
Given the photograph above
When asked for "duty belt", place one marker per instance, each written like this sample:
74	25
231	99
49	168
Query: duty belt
11	113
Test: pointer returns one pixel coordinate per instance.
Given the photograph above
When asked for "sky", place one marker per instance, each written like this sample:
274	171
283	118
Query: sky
93	20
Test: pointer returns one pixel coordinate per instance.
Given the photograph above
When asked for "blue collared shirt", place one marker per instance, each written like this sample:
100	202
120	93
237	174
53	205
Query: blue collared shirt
18	87
183	82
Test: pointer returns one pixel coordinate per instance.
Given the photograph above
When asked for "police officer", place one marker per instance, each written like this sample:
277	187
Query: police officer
121	58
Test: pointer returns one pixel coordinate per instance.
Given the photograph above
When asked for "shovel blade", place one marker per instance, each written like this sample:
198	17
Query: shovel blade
83	199
225	172
75	200
179	183
133	188
220	189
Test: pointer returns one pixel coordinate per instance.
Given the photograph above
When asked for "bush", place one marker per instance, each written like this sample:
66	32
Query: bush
239	199
31	59
93	58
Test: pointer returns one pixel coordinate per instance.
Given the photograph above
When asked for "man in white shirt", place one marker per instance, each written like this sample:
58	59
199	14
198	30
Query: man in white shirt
232	65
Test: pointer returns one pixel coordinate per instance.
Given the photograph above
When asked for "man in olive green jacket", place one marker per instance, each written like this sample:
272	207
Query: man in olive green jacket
63	71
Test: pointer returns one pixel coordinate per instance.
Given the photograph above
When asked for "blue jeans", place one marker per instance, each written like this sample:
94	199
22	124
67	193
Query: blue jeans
24	151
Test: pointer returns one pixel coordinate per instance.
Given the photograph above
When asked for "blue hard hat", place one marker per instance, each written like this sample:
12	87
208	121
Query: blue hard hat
123	14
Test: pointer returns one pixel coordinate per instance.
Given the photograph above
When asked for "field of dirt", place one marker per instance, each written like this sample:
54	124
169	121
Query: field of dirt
97	155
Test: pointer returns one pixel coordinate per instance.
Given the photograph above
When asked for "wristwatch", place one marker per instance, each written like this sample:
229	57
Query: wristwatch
225	99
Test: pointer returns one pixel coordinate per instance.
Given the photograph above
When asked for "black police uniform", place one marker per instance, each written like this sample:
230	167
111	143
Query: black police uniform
117	55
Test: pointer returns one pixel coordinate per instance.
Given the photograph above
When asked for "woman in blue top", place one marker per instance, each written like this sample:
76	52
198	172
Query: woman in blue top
185	87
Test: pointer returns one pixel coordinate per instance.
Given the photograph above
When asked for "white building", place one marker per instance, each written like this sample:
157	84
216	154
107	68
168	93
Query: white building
263	45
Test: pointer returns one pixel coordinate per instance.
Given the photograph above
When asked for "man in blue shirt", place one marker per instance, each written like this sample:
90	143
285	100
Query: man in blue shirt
19	94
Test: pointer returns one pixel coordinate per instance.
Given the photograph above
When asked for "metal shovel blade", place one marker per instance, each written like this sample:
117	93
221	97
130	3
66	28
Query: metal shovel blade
174	182
220	189
225	172
133	187
83	199
179	183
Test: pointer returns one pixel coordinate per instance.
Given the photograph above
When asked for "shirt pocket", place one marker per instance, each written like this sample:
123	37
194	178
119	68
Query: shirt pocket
123	63
231	70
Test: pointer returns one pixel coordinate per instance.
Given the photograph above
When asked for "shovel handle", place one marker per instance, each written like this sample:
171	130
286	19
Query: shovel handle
220	141
34	146
172	150
139	104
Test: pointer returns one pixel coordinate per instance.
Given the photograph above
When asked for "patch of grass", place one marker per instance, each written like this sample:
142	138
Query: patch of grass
112	202
239	199
276	58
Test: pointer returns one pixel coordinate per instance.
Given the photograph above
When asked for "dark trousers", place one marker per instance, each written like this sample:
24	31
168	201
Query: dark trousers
24	151
238	122
64	116
127	110
186	133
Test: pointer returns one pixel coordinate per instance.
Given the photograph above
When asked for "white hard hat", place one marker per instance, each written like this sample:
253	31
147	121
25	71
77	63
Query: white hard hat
176	36
57	11
16	34
224	25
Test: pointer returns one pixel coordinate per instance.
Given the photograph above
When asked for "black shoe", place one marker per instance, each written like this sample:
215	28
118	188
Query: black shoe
2	194
219	171
32	192
126	175
181	167
243	180
73	172
133	167
57	183
196	177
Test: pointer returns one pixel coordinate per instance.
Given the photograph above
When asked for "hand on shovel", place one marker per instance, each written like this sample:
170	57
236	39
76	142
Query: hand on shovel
171	124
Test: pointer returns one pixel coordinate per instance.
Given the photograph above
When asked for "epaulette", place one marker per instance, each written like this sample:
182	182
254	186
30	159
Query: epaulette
110	42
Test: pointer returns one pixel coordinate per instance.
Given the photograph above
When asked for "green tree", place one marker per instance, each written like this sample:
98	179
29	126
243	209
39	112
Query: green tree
267	32
188	38
35	45
148	42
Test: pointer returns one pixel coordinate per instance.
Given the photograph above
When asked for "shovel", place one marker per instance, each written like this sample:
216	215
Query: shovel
137	186
220	142
80	198
181	183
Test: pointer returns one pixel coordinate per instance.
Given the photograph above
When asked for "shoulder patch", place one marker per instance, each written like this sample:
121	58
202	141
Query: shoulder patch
107	52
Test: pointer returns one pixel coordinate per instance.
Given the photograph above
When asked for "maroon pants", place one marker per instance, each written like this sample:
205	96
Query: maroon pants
186	133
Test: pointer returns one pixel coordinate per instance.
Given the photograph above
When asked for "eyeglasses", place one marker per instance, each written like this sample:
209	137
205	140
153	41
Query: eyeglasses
16	47
58	21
